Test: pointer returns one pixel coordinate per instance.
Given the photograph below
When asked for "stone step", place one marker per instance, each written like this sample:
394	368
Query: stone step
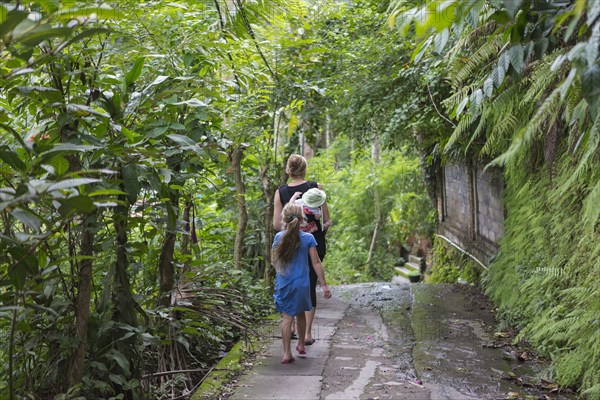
415	259
405	272
413	266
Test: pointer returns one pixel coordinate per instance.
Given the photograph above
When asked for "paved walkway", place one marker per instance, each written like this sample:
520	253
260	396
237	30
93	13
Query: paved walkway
301	380
385	341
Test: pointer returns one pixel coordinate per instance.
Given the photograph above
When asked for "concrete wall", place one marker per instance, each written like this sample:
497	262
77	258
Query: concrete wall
470	208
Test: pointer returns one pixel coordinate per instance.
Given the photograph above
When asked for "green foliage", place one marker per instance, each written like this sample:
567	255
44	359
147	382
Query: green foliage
524	95
521	74
362	194
110	122
376	93
450	265
545	278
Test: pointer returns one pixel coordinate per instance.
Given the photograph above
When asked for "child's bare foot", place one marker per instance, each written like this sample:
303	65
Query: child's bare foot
288	360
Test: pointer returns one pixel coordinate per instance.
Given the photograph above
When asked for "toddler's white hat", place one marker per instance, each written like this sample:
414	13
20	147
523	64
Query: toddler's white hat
314	197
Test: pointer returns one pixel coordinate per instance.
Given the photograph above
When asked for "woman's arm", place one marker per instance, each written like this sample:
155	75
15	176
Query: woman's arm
318	267
277	208
326	219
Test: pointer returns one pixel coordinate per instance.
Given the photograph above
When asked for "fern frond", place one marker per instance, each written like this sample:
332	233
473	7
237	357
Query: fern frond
591	208
463	126
593	392
591	140
578	120
458	96
506	100
500	132
539	82
475	62
542	118
574	96
481	126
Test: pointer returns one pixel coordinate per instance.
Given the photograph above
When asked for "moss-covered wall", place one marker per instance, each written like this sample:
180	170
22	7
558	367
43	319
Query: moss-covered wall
546	277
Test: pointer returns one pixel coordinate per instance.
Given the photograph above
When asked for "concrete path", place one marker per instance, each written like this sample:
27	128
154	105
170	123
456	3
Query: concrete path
301	380
397	341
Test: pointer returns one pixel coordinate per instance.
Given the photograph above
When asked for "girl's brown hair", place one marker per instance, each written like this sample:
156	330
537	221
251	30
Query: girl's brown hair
286	249
296	166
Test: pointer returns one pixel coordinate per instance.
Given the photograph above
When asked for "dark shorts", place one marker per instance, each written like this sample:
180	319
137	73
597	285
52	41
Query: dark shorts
321	250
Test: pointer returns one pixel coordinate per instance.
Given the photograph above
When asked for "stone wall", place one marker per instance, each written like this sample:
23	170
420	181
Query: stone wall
470	208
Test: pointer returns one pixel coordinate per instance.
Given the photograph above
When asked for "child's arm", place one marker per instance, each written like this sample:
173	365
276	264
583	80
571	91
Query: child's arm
318	267
295	197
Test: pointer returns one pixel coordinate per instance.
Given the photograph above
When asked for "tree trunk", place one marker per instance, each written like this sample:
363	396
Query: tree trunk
124	304
125	308
269	193
372	246
235	160
375	157
376	149
84	292
165	261
186	241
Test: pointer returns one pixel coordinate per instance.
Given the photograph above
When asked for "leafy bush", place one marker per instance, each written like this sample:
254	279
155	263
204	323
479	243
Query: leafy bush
387	197
449	265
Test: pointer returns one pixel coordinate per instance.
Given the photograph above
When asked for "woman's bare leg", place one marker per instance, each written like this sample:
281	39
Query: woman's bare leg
301	325
310	316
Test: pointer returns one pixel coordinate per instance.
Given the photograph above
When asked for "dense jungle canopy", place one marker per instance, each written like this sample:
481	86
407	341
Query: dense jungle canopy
141	144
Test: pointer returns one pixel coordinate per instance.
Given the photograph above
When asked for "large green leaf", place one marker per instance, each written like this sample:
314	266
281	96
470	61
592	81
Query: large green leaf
516	54
135	72
11	158
10	19
171	217
120	359
83	109
191	103
71	183
28	218
43	32
131	182
16	135
76	204
69	13
591	83
182	140
512	7
82	35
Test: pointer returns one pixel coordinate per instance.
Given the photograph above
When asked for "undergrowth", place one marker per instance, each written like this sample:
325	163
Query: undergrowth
450	264
546	277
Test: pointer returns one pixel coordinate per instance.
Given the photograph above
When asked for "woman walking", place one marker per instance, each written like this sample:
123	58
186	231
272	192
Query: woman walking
298	185
292	249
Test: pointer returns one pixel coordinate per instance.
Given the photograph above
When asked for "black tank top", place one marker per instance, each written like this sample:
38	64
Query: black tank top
286	192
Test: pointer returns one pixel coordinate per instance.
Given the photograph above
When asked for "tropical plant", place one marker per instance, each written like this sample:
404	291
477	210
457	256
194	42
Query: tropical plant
525	97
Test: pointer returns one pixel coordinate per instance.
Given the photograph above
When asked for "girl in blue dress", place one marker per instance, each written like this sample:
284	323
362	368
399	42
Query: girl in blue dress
291	250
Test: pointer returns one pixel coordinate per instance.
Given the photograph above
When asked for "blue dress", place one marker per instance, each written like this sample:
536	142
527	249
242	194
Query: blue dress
292	289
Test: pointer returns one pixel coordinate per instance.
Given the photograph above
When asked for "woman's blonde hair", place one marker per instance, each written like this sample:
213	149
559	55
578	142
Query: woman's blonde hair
286	249
296	166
